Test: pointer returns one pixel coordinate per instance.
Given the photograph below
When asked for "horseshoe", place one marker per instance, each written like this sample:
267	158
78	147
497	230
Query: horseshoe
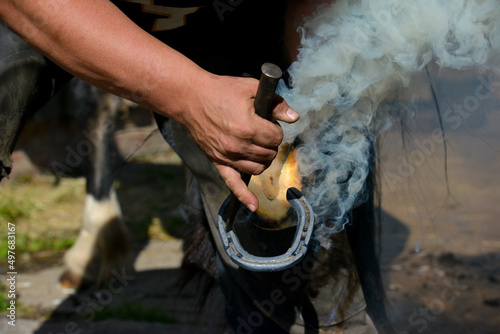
295	253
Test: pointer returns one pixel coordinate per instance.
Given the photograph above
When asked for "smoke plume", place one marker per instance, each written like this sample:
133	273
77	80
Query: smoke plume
353	56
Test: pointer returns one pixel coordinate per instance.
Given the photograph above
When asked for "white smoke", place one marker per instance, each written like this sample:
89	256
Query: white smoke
354	54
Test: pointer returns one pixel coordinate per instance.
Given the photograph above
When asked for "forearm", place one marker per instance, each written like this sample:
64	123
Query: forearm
109	51
94	41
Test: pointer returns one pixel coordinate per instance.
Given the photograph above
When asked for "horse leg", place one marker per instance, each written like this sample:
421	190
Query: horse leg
103	243
27	81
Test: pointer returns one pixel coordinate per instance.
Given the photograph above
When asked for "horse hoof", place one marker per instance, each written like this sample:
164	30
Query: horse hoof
70	280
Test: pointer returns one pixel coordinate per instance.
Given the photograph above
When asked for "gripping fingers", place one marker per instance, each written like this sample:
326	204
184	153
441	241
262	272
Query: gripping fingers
268	134
251	167
234	182
255	157
283	112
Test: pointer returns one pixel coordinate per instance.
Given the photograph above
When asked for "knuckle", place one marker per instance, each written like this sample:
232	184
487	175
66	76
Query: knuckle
258	169
229	182
277	139
230	147
245	131
218	157
251	167
272	155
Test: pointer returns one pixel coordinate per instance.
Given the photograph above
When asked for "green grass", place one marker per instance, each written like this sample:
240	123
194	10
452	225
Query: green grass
4	302
26	244
47	217
11	209
32	245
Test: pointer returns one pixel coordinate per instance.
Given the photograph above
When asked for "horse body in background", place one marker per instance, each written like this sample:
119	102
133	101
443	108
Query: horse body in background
103	243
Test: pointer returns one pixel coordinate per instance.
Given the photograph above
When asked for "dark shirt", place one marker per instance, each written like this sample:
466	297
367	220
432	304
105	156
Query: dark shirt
223	36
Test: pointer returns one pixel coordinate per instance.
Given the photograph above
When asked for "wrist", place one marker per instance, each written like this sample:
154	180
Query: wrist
177	90
194	94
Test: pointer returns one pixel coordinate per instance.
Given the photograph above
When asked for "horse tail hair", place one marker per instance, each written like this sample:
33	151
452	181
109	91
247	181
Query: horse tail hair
364	236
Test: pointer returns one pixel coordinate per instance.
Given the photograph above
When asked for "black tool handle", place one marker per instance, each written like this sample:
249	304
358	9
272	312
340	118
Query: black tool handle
269	78
263	104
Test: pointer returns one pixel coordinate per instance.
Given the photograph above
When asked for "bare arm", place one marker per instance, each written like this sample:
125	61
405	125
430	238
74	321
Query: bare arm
96	42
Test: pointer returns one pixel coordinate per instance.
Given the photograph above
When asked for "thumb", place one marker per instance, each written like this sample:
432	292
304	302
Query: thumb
234	182
283	112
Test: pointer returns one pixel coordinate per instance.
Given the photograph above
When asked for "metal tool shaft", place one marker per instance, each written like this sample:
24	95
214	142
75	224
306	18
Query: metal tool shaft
269	78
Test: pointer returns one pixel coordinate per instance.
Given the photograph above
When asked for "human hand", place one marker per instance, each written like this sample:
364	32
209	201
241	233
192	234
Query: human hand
224	124
116	55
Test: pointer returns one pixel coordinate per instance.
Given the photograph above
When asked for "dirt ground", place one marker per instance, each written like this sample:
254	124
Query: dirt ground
439	242
441	239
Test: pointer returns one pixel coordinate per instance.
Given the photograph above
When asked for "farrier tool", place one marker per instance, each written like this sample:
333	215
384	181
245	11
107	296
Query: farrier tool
270	76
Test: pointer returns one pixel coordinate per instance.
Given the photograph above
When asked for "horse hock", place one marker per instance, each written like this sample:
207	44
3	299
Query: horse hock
103	244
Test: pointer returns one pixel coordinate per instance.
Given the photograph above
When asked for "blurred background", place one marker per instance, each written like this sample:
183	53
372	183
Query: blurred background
439	225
